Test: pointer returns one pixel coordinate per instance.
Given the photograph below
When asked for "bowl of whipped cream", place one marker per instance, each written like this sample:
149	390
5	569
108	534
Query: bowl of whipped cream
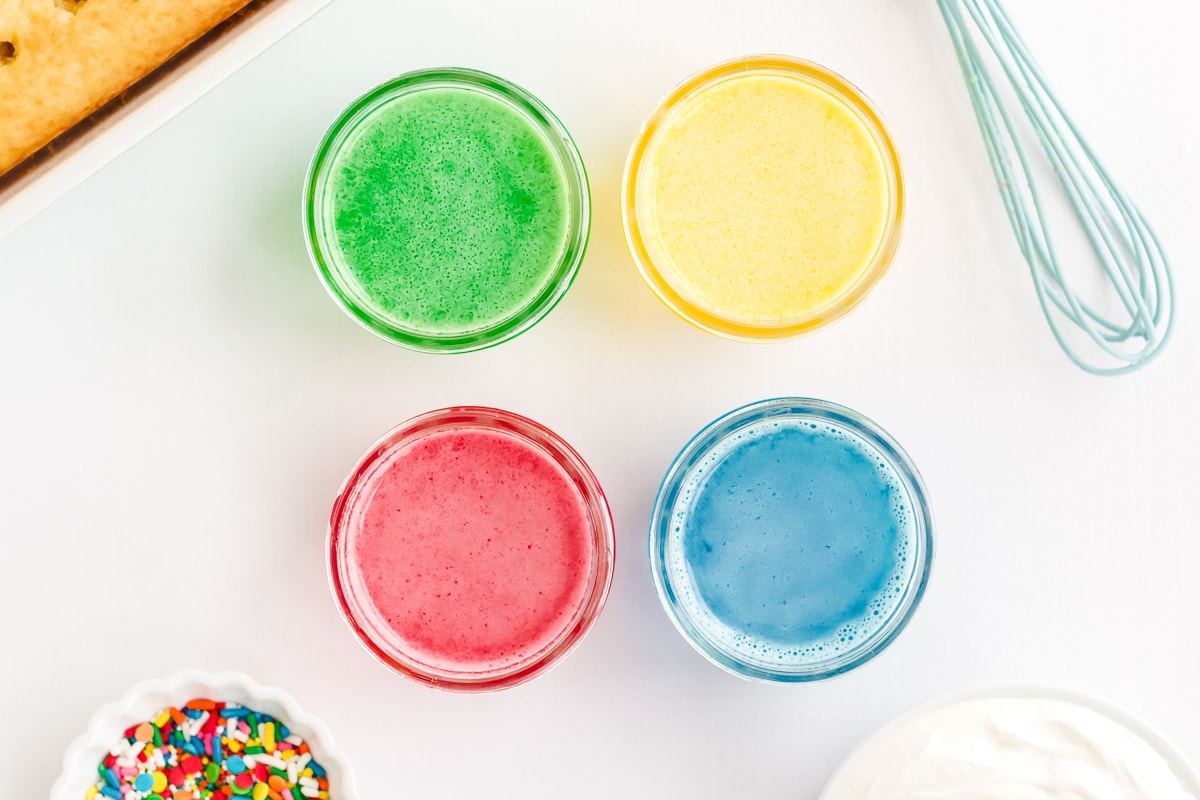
1015	742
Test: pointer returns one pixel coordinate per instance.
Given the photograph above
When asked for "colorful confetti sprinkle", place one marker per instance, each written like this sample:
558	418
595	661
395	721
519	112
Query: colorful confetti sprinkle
209	751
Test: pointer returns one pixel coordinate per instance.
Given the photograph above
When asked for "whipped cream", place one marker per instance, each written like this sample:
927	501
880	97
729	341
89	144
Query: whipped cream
1008	748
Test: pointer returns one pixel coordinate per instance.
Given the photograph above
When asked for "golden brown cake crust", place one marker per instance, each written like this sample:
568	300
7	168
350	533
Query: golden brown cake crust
68	58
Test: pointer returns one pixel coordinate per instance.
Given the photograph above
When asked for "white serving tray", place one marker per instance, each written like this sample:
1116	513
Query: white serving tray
171	91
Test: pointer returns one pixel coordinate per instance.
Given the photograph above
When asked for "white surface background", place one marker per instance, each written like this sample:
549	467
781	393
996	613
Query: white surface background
180	401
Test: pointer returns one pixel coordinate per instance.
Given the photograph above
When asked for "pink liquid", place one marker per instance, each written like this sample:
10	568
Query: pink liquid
469	550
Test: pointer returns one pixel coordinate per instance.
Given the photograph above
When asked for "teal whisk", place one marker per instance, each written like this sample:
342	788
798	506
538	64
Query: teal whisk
1126	248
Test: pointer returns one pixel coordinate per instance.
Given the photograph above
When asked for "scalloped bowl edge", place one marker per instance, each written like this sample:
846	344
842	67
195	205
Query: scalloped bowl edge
146	698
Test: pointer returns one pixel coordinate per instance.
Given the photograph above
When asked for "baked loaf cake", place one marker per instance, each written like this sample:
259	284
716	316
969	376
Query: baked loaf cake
61	60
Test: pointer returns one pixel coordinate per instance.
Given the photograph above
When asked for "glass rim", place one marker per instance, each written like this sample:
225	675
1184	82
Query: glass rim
836	86
558	141
583	480
806	408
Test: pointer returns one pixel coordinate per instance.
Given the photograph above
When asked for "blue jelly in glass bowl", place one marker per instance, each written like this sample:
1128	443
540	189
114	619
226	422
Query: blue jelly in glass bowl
791	540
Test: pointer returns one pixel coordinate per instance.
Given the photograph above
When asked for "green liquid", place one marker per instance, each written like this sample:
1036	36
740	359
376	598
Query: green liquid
450	212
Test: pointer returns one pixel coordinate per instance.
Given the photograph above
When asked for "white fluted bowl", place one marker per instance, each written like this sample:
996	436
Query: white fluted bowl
147	698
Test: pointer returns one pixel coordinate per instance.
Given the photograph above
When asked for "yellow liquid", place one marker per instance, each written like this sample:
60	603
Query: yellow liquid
763	199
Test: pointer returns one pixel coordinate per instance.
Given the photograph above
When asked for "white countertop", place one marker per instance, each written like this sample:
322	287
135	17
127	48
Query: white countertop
181	400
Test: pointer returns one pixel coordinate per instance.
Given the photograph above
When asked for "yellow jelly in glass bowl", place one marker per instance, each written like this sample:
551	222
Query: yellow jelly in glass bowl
763	198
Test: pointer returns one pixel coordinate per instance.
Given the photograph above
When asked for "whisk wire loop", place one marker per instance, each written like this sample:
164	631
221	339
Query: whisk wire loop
1128	252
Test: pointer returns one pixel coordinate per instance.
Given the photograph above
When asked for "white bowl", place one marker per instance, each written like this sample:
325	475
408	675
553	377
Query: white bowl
147	698
1184	771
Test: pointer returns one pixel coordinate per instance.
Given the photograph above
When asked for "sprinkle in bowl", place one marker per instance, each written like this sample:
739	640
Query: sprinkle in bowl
110	725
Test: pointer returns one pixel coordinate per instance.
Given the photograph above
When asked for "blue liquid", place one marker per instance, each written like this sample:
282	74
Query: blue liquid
792	542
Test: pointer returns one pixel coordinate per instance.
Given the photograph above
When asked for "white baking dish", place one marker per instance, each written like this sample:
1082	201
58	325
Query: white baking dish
82	151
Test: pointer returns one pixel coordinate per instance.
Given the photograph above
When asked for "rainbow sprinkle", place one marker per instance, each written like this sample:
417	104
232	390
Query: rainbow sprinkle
209	751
